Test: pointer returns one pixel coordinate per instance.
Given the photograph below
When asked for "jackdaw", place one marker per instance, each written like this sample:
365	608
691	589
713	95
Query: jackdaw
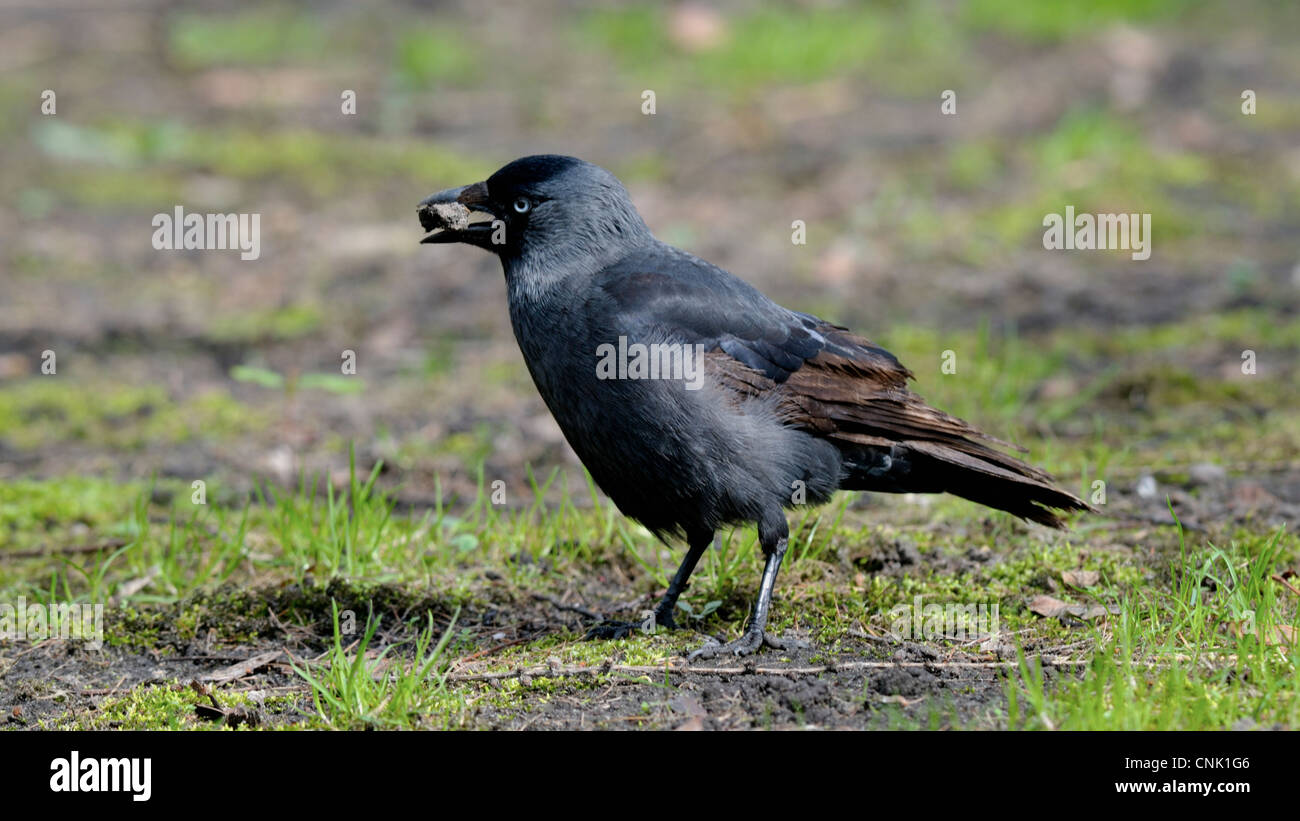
695	401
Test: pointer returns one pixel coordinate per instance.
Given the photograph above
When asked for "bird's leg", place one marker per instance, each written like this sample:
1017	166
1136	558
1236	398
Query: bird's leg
756	635
681	579
663	614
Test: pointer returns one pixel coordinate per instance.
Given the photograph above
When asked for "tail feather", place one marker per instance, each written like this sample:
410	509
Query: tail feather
970	470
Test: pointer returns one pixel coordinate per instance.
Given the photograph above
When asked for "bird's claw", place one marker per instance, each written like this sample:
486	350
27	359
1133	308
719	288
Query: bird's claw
614	629
750	642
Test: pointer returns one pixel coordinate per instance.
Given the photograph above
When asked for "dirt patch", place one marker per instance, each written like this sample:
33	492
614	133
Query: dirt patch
866	687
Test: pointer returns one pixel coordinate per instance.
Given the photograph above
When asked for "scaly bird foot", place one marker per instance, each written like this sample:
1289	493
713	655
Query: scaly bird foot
614	629
750	642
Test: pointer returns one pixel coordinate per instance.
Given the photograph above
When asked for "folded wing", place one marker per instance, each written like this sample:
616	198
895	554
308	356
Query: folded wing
827	381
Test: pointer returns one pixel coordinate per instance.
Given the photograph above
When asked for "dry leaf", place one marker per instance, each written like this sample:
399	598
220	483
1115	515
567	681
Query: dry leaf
1055	608
241	668
129	588
1281	634
1047	606
1081	578
233	716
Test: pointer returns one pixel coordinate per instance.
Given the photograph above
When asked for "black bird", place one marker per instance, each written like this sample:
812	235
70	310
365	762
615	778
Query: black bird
785	408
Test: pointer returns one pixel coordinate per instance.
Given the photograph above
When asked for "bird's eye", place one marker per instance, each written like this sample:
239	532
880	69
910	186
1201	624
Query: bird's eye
522	205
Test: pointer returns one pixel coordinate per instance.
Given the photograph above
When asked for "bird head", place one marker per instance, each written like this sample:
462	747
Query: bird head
545	209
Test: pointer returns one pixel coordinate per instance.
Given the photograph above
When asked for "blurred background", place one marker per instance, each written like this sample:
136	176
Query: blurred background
924	229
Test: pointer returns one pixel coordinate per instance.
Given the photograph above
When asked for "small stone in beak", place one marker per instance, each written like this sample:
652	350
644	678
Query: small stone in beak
450	215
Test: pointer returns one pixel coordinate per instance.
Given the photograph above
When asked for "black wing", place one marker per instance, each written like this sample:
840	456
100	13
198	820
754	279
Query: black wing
667	290
830	381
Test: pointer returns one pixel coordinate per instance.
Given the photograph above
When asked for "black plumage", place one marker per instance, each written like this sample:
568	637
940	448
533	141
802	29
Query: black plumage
786	408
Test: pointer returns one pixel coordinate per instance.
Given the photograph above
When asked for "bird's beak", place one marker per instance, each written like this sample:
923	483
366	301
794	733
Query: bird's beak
474	198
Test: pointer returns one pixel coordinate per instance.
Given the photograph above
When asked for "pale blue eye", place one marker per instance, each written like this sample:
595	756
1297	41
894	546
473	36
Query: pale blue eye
522	205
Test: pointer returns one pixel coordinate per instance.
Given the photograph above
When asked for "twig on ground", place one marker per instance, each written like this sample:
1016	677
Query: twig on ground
487	651
241	668
172	659
572	608
1277	577
553	671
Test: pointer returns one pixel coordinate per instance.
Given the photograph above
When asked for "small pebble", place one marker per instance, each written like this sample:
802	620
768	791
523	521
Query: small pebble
1206	473
1146	487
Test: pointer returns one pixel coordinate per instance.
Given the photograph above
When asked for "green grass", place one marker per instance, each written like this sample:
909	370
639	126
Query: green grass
269	325
317	163
167	707
1179	625
779	46
908	48
301	553
1054	22
352	690
427	57
263	35
1087	430
1183	638
1114	383
1214	651
422	56
62	408
1091	159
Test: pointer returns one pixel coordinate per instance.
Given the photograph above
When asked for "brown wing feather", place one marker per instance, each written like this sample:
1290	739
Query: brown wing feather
864	400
